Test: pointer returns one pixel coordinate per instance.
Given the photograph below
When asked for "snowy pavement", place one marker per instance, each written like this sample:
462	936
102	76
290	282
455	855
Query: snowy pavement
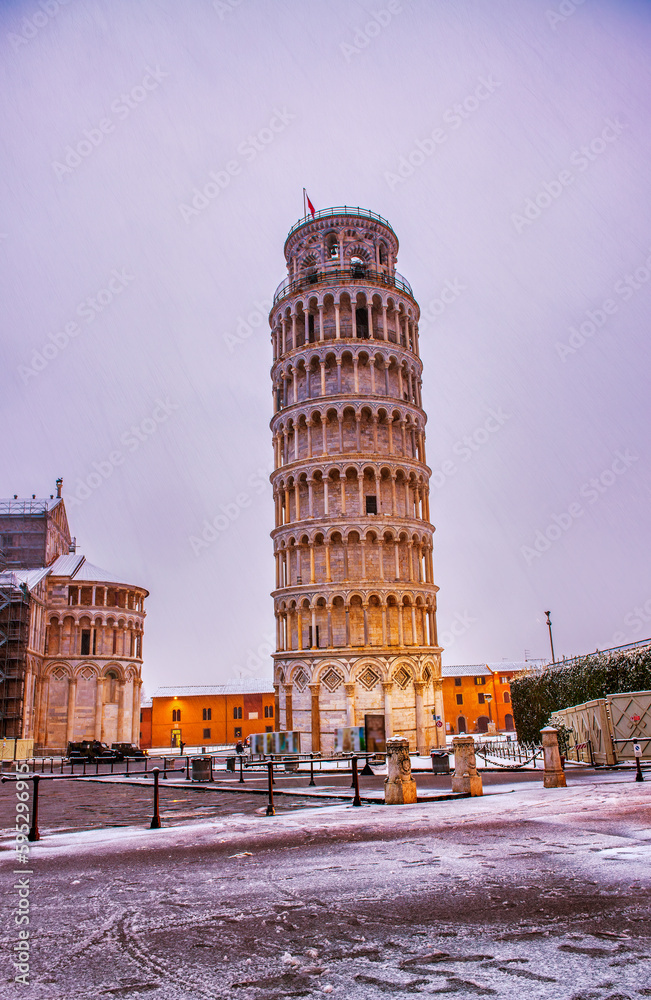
532	893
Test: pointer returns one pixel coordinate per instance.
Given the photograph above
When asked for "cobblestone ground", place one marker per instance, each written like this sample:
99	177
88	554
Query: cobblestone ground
522	893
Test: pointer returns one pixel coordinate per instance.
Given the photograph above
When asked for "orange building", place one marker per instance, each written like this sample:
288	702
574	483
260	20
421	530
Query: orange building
476	694
145	723
212	715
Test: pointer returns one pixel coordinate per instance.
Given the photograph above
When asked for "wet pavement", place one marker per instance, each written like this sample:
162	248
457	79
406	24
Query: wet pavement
524	892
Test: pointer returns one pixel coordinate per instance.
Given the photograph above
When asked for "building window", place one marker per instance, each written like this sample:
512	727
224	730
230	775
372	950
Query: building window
176	715
481	699
459	699
268	729
268	711
207	714
115	640
504	680
141	720
480	680
237	713
72	595
206	734
457	682
371	504
507	697
85	642
237	733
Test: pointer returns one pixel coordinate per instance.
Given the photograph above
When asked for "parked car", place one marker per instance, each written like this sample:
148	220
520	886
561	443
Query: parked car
123	750
90	750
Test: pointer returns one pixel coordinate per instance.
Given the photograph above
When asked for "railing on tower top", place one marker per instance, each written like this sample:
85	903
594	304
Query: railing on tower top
337	275
325	213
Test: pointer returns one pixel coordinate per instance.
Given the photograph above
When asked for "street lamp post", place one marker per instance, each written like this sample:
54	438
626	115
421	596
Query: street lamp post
551	640
488	698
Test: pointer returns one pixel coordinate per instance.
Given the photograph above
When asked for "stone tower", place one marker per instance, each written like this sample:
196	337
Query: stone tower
355	599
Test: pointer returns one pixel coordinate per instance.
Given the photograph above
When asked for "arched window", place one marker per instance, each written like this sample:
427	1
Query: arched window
112	687
461	724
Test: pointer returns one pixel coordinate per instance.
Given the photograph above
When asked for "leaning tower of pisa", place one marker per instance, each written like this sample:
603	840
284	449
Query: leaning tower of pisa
355	598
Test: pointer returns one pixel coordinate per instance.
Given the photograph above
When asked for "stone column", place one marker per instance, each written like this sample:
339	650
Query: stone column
554	776
72	698
316	718
41	715
421	738
135	712
276	707
350	704
465	779
289	720
99	705
121	696
387	689
399	786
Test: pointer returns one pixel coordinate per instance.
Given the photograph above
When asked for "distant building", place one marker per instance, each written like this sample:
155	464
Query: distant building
475	694
145	723
211	714
70	634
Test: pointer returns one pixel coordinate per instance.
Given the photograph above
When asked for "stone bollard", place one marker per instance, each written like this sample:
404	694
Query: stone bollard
554	776
465	777
399	786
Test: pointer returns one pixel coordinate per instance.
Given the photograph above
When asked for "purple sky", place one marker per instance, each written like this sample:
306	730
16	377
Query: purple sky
523	138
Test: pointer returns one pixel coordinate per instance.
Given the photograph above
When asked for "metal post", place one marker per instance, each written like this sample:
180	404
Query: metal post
356	801
367	768
164	767
638	775
126	760
187	768
112	763
33	830
155	822
97	766
270	807
212	764
312	783
241	769
551	640
84	771
352	772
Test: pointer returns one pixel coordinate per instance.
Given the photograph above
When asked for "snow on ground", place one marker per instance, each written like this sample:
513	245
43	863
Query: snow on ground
524	892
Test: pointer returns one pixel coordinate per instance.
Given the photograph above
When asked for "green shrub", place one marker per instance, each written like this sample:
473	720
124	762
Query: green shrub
536	696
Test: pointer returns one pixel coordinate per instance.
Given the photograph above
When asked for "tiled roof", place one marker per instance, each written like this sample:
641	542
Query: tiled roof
253	685
484	669
465	670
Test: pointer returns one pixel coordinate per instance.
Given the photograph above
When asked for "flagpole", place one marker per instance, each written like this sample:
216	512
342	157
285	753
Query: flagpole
304	205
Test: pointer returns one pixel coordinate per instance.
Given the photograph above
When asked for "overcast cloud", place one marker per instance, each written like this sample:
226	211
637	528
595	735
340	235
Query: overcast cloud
145	210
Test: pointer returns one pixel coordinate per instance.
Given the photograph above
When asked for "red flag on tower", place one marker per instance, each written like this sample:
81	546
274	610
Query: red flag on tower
309	203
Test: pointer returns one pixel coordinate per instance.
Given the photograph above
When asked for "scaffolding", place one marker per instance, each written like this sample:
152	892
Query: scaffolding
14	638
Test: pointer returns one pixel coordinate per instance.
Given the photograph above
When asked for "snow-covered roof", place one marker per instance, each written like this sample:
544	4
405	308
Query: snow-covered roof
465	670
80	570
515	666
485	669
66	565
252	685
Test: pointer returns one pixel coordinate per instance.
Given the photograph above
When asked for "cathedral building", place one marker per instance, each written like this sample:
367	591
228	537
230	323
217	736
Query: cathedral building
355	598
70	635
